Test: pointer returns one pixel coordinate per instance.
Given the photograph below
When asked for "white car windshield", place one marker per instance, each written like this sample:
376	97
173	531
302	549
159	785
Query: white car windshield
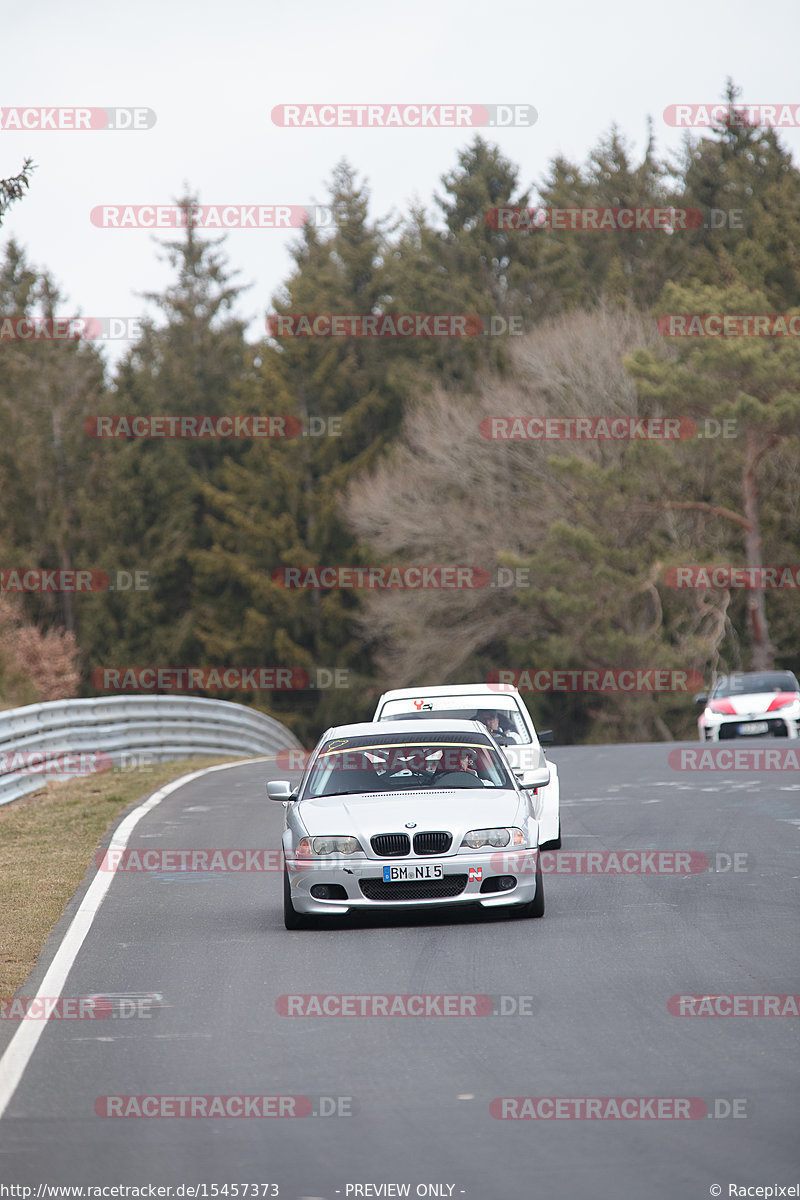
499	713
754	683
394	765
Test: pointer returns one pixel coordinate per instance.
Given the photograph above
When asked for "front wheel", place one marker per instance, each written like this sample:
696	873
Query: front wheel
291	918
535	907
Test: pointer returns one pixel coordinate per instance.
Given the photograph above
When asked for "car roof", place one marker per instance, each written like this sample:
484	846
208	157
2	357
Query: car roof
453	689
428	728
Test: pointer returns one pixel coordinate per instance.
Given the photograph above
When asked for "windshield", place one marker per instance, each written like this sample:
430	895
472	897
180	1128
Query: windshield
763	681
407	764
500	714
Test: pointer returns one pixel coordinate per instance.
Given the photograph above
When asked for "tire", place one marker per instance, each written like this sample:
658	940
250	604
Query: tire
291	918
535	907
555	844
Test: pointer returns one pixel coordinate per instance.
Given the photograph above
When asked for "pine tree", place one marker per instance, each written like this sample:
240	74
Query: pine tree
48	386
753	382
280	505
460	261
13	188
579	268
150	491
743	174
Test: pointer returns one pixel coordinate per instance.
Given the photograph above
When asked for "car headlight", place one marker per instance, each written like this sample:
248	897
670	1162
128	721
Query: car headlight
323	846
493	837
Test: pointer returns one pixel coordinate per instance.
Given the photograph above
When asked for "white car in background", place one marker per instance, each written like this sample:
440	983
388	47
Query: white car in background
751	704
515	734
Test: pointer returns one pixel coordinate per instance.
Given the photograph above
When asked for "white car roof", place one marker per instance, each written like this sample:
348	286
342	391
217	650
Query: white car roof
428	728
453	689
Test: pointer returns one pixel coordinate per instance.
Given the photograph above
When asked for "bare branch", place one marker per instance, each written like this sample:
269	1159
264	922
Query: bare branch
701	506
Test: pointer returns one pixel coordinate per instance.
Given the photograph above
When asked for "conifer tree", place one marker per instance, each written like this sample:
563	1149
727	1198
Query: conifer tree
280	505
751	382
48	386
150	490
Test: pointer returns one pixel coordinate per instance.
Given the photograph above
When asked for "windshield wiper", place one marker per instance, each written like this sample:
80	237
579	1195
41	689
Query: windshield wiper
354	792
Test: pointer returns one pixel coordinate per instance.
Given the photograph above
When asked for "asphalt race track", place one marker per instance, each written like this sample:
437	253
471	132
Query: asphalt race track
411	1097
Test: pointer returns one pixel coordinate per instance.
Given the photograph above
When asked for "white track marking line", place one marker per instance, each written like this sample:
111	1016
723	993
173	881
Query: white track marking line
24	1042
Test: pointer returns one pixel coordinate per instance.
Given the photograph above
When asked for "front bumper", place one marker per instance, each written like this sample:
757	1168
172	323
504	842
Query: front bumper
725	728
467	879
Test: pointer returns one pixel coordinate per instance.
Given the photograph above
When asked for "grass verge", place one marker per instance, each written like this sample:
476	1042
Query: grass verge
47	840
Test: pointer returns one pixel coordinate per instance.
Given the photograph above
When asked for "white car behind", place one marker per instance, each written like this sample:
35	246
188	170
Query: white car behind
516	736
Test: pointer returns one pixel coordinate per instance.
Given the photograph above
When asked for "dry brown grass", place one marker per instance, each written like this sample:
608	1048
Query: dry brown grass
47	840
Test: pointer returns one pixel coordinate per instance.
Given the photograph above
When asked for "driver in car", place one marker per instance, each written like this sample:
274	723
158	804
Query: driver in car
459	759
466	762
491	720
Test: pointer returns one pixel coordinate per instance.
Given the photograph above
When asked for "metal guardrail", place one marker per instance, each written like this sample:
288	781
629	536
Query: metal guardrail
156	728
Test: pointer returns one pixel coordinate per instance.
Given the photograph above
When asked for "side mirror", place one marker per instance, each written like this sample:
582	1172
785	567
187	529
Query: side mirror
546	737
701	699
534	779
281	789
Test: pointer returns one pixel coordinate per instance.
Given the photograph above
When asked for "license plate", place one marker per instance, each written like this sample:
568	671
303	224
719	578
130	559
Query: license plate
754	727
413	871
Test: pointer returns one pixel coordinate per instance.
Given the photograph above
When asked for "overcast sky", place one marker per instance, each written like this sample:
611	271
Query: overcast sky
213	73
